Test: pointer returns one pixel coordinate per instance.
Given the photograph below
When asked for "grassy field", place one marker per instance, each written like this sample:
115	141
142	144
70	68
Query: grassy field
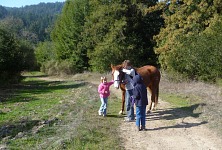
39	114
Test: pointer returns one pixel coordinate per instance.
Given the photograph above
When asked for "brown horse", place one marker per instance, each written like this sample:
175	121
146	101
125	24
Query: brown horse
151	77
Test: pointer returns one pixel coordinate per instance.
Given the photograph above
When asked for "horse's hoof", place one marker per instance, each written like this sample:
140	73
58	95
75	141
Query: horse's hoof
148	111
121	112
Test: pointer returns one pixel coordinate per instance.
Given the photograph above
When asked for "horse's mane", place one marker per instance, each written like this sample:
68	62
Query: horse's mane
118	67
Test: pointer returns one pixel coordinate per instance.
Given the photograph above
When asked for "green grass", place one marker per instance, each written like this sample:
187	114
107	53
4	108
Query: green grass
56	115
219	82
190	104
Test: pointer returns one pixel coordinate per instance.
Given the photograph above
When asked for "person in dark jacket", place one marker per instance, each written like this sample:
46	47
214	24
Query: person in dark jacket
141	101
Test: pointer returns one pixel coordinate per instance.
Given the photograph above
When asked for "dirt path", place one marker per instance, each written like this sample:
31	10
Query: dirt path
169	129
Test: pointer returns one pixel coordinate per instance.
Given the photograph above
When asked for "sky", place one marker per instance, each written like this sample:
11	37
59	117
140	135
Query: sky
20	3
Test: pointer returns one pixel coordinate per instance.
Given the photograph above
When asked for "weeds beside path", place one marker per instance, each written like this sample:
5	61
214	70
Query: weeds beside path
50	113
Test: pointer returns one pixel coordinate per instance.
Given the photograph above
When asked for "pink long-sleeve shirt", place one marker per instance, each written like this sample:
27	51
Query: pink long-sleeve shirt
103	89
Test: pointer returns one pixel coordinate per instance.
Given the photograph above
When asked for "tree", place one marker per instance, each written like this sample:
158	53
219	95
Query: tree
199	57
183	44
32	22
118	30
15	56
183	18
93	34
67	33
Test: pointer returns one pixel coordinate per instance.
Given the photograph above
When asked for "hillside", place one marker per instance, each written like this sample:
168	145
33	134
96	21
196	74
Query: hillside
33	23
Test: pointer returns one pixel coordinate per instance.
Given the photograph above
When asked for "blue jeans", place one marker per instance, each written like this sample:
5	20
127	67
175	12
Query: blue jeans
129	106
141	116
103	106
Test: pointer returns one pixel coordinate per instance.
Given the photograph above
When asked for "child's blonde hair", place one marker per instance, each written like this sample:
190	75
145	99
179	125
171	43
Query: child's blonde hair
103	79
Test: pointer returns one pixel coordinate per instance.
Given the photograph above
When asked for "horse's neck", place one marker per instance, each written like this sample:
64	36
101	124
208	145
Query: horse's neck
119	67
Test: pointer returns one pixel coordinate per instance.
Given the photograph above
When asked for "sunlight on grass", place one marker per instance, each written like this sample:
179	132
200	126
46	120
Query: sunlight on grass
57	115
181	101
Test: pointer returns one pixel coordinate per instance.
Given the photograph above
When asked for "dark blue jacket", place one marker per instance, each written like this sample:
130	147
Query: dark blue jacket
139	91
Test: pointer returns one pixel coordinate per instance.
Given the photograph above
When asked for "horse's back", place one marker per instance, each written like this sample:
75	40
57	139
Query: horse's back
150	74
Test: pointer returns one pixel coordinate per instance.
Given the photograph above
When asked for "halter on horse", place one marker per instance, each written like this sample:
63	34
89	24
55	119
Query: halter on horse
118	77
151	77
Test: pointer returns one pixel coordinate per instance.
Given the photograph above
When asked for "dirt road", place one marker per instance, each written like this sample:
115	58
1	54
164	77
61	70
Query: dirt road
169	129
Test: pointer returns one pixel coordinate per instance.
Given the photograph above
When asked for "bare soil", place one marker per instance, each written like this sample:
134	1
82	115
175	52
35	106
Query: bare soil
169	128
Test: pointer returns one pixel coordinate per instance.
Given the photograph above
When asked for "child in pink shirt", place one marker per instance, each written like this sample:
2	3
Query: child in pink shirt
104	93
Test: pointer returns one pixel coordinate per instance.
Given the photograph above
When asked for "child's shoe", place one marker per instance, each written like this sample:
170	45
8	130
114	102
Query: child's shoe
100	113
138	128
143	128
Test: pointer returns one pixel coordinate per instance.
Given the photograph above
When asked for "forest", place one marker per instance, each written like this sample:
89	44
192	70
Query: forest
180	37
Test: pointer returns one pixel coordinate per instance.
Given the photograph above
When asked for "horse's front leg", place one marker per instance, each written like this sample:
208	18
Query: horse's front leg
123	103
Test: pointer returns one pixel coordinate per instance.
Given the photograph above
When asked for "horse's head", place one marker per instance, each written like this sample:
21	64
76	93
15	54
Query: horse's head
117	75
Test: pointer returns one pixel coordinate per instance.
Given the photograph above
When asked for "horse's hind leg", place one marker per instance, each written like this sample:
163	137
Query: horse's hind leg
152	104
156	97
154	100
150	108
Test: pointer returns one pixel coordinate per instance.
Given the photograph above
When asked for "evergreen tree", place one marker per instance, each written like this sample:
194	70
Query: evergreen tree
67	34
119	30
103	34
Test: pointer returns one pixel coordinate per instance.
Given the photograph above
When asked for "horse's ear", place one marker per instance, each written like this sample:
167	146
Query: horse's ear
111	65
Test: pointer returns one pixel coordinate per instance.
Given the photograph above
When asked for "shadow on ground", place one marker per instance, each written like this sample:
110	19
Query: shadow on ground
176	113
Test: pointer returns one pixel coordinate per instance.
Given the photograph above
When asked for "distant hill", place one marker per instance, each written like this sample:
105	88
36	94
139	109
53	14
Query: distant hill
33	23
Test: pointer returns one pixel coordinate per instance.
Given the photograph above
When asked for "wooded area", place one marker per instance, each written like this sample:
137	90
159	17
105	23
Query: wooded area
182	37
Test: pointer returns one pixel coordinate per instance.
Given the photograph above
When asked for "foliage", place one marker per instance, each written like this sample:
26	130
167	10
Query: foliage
200	55
3	12
15	56
53	67
184	18
103	34
118	30
183	44
94	34
44	52
33	23
29	25
27	55
48	61
67	34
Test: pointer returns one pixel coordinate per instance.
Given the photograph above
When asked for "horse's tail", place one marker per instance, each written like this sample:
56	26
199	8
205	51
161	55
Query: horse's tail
157	94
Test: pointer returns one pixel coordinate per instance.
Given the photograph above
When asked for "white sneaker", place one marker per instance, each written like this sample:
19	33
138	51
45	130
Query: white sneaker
100	113
126	119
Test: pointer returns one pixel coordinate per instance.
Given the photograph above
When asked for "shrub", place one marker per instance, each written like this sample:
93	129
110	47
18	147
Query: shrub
53	67
198	56
14	56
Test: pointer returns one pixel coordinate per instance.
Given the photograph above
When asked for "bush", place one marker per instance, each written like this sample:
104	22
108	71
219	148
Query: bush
198	56
53	67
15	56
